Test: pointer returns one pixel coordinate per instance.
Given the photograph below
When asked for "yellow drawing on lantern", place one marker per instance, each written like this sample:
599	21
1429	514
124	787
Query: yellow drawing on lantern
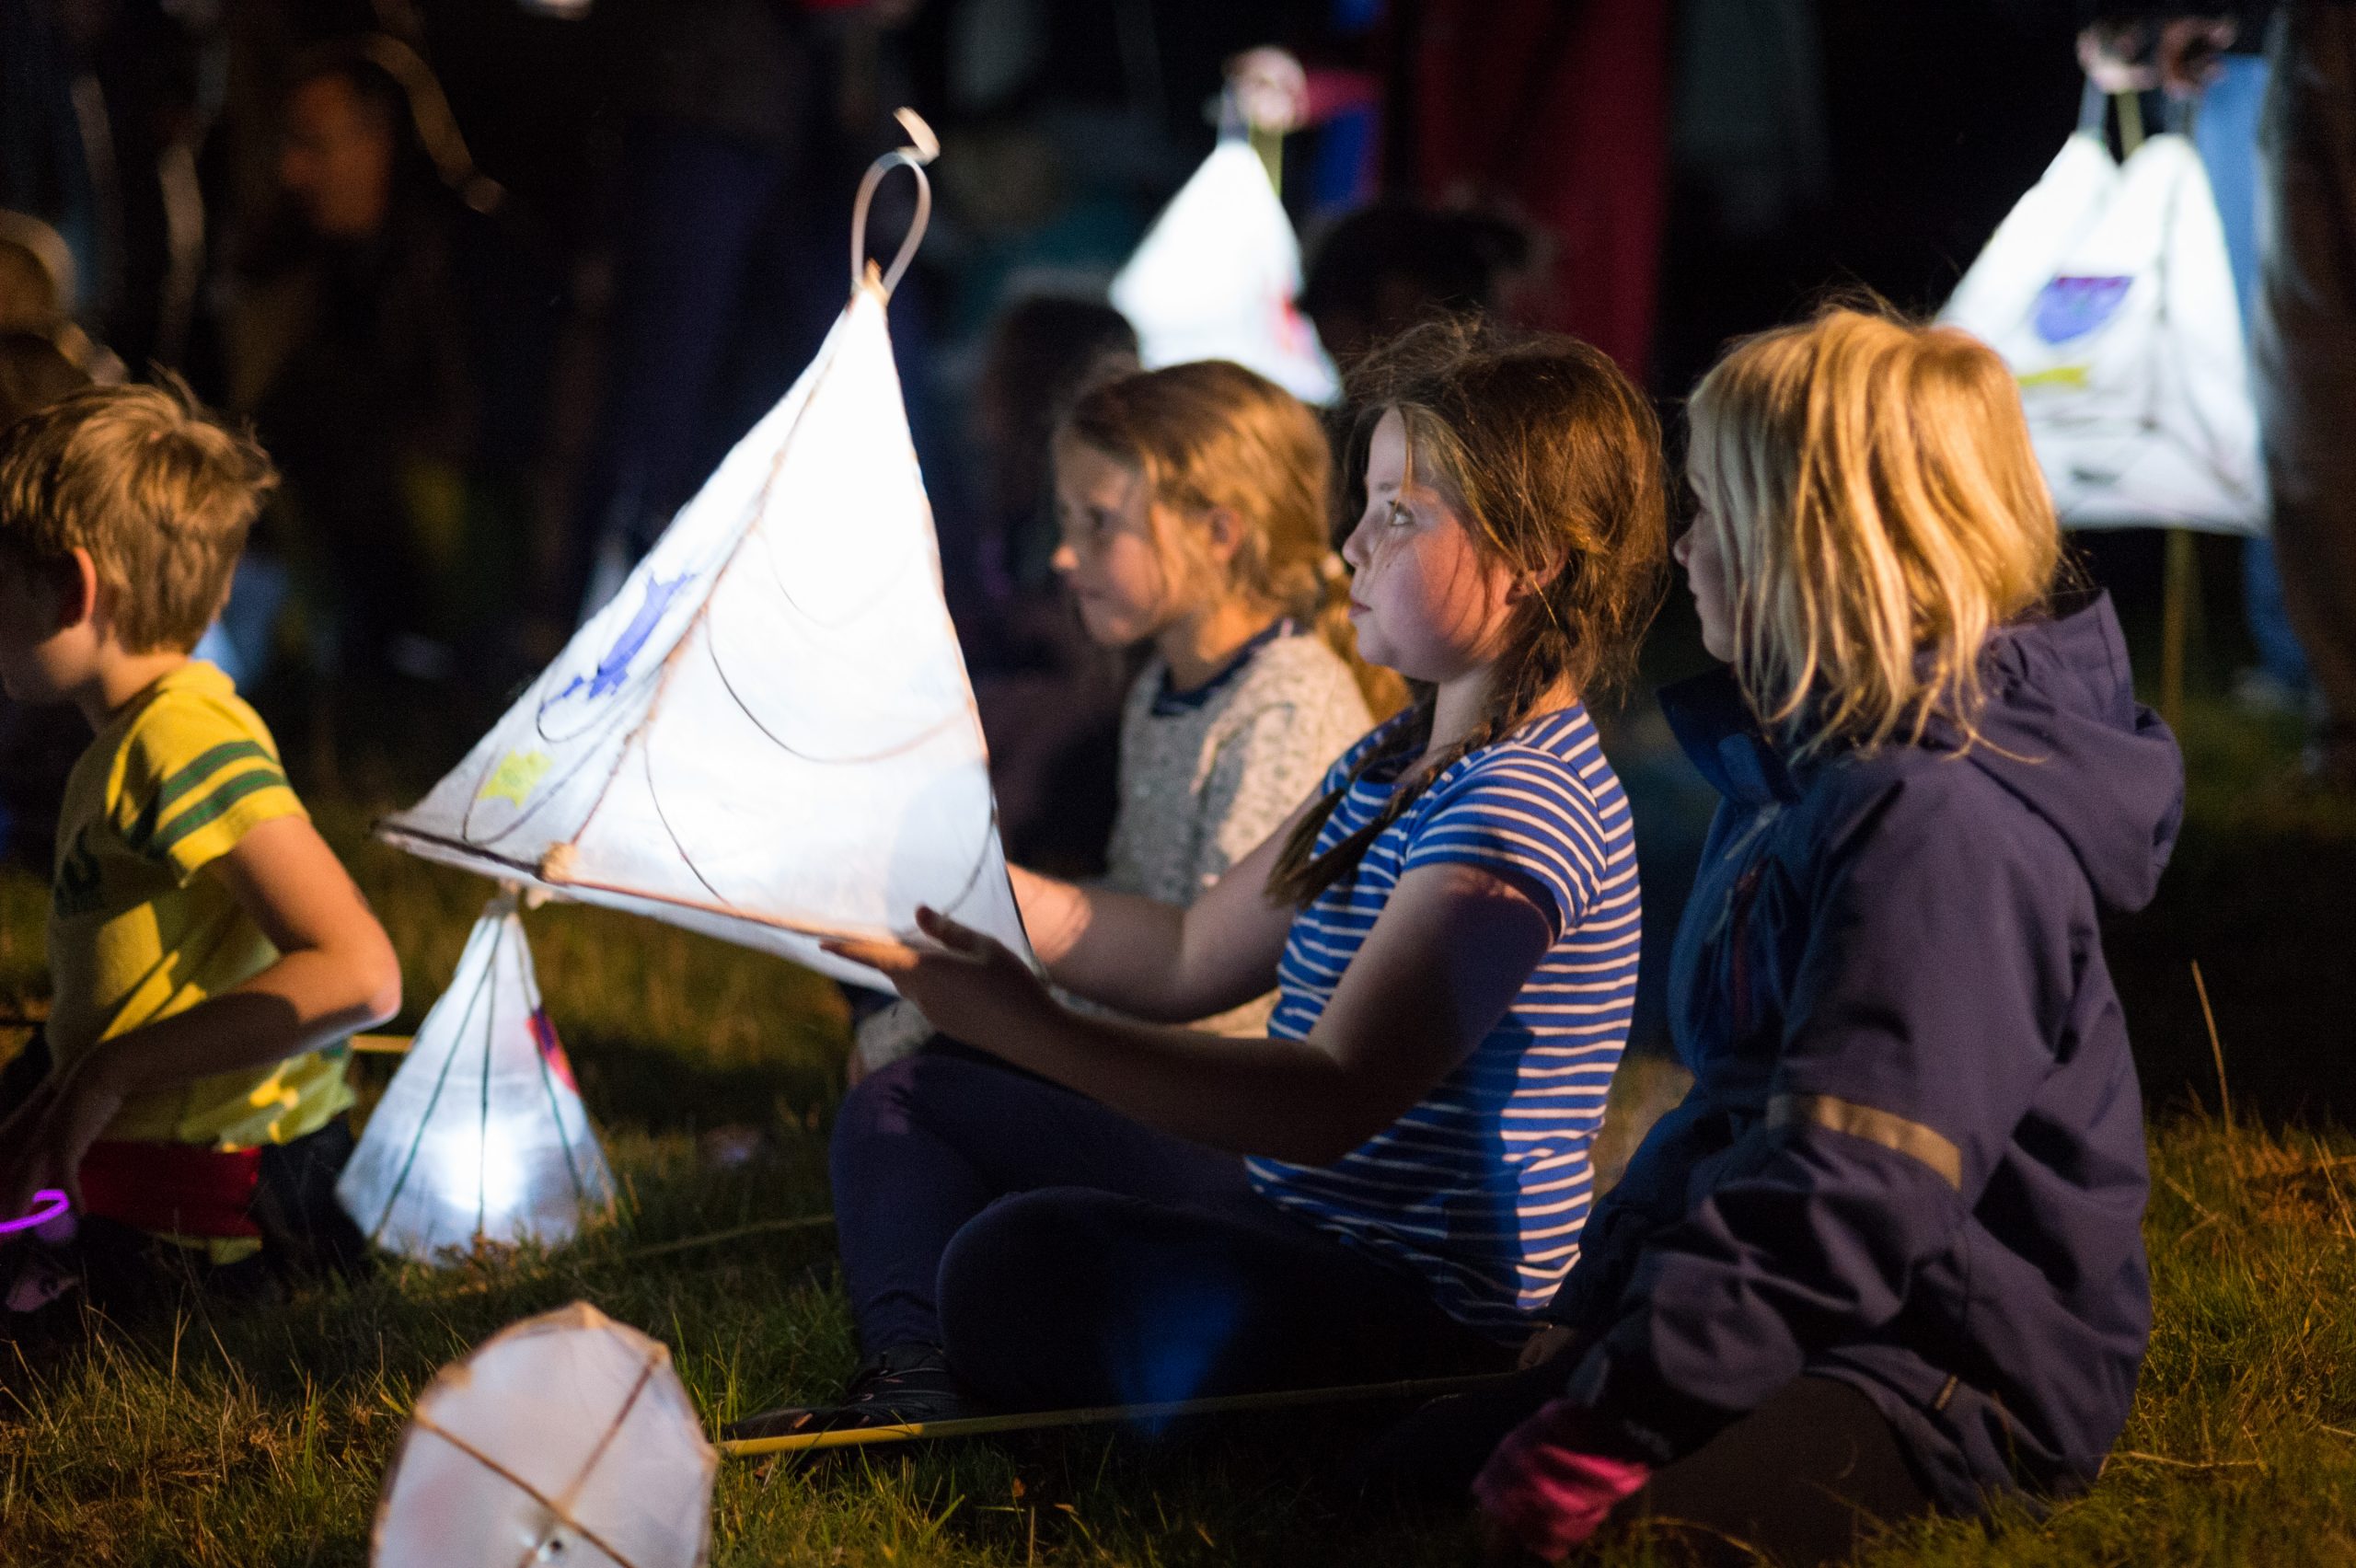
517	774
2073	376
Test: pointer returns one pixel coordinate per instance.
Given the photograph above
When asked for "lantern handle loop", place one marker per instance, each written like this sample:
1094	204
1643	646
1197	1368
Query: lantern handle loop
923	147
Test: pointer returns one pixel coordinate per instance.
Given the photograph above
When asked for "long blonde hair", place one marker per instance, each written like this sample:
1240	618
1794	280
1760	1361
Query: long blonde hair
1871	488
1552	459
1211	435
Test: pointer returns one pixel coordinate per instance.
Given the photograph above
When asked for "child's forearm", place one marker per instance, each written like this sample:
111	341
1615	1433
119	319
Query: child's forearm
1112	948
1284	1099
305	1000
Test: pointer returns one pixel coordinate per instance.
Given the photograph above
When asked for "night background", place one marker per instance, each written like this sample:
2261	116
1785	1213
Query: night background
498	283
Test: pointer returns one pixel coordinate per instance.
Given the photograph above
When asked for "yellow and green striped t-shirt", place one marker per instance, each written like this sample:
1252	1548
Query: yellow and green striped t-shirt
136	934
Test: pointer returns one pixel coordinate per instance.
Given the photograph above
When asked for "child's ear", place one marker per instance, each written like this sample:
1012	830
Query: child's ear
1226	531
1537	580
74	589
65	586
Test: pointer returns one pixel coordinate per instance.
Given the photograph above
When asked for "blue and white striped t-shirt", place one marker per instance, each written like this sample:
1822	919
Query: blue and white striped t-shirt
1482	1188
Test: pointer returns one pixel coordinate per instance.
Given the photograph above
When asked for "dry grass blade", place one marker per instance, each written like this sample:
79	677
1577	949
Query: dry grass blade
2140	1456
2216	1046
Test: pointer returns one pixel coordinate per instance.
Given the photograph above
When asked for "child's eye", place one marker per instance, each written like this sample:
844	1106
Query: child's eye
1398	516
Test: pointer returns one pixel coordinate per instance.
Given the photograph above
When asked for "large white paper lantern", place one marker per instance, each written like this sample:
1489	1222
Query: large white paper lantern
767	734
2108	292
1217	276
566	1438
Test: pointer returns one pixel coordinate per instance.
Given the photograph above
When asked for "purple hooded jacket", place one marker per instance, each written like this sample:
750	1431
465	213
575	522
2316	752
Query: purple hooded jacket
1912	1159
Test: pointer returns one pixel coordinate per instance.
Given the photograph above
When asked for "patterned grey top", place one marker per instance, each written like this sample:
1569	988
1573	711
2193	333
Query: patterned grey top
1205	776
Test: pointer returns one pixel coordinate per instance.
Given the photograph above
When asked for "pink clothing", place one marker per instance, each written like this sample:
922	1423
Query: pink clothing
1550	1497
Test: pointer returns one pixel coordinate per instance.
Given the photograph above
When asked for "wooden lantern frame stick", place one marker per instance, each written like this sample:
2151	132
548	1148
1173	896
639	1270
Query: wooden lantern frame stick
1103	1415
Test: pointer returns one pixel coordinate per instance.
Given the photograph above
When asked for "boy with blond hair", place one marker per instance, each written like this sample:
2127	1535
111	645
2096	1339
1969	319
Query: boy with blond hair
208	951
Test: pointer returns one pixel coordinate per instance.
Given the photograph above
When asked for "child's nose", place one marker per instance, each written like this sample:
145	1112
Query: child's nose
1065	560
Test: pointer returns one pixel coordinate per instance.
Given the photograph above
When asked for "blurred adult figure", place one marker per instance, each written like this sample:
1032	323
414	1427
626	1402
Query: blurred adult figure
1384	268
2303	340
388	331
747	119
343	344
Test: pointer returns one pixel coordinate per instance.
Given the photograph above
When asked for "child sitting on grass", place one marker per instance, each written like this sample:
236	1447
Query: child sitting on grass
206	948
1887	1258
1193	504
1388	1178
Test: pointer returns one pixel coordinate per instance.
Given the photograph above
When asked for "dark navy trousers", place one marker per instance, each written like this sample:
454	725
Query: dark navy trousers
1065	1255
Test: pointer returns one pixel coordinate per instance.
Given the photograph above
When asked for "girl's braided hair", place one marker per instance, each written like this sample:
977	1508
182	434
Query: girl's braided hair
1551	458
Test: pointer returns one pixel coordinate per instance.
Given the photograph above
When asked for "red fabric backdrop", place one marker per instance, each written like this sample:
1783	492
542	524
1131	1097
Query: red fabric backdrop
1554	112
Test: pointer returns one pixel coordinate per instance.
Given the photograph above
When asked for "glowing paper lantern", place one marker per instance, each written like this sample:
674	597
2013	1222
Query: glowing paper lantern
1216	278
566	1438
2108	293
481	1135
767	734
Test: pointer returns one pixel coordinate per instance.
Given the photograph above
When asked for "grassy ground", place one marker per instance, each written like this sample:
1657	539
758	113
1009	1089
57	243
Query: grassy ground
261	1437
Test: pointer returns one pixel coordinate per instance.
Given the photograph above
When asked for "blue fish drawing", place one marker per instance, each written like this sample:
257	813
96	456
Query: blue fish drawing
2073	307
614	666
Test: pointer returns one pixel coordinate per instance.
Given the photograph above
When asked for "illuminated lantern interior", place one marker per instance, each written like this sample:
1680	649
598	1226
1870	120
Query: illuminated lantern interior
481	1135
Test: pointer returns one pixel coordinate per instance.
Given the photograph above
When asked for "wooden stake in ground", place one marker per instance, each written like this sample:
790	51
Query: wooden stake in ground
1100	1415
2180	612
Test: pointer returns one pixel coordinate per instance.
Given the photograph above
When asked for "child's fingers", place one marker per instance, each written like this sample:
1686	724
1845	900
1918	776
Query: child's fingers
960	939
889	958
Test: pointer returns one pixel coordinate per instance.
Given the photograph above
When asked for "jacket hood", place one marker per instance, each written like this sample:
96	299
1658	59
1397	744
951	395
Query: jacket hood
2063	731
2059	730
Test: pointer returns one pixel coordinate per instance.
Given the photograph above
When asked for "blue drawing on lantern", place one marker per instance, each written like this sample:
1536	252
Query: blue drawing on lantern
614	668
2070	308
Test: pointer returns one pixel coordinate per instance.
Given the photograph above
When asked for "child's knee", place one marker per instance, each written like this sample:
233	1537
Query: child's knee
1017	1308
1013	1255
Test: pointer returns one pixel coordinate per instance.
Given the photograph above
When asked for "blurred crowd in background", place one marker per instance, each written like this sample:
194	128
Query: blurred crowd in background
497	280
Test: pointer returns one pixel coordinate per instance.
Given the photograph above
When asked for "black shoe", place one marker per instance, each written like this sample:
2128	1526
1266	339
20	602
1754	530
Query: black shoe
907	1385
